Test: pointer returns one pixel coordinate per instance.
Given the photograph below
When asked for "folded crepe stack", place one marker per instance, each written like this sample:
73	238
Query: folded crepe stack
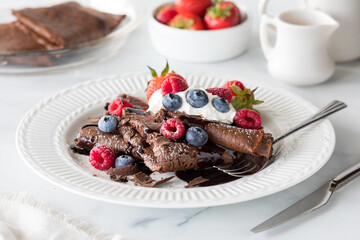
59	26
139	135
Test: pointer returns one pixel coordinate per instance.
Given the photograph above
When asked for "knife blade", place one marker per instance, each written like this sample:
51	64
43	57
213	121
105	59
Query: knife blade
311	202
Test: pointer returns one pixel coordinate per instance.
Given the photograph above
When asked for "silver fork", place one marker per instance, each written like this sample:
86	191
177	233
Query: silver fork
245	167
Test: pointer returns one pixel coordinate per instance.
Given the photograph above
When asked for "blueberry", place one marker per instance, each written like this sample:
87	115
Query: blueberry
172	102
196	136
221	104
197	98
124	160
107	123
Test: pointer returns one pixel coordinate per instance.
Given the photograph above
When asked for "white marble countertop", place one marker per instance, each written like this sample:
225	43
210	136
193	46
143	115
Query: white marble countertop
338	220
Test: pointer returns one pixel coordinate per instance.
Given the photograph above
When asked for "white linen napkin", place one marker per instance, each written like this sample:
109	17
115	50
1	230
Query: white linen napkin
22	217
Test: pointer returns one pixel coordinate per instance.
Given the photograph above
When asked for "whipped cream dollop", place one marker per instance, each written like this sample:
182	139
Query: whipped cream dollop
207	112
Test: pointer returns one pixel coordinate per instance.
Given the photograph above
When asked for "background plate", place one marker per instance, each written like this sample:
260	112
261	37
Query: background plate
60	59
43	134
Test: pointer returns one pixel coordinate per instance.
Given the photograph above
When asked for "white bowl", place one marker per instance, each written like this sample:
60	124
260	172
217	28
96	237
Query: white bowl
201	45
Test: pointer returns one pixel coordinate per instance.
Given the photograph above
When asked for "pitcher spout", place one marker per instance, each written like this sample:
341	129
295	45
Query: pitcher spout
331	27
328	24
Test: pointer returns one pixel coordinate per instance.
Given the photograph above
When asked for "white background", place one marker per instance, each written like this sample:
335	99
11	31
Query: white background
338	220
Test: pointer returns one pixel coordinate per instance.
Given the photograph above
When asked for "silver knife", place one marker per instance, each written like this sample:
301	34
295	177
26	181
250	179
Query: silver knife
311	202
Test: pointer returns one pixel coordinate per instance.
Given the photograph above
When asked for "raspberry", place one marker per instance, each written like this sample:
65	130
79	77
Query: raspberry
173	83
236	83
173	129
246	118
116	106
101	157
221	92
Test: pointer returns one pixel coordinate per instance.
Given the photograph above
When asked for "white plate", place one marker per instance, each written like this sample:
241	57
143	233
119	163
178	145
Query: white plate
43	134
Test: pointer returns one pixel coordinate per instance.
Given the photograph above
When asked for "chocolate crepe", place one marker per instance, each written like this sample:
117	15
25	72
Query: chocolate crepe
14	40
138	134
165	155
67	24
250	141
90	136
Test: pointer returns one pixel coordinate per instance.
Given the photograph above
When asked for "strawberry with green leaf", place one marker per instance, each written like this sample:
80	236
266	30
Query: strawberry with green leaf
168	82
155	83
187	21
197	7
244	98
222	15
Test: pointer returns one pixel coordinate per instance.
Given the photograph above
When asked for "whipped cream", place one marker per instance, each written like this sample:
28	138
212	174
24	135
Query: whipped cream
207	112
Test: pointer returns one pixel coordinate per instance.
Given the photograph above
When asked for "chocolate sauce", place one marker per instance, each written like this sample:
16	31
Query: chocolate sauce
79	150
215	176
89	125
212	154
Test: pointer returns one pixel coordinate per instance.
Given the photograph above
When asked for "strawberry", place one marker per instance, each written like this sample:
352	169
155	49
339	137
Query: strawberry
187	21
197	7
234	82
155	83
221	92
222	15
166	13
244	98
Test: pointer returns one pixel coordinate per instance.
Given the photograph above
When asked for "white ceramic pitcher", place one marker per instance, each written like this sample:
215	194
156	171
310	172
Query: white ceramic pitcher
300	53
345	43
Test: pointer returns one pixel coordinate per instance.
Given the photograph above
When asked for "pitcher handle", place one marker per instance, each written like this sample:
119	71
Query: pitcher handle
264	37
262	7
308	5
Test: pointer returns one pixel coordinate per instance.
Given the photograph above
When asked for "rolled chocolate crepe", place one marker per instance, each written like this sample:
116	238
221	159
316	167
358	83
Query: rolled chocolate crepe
265	148
160	154
250	141
67	24
90	136
165	155
235	138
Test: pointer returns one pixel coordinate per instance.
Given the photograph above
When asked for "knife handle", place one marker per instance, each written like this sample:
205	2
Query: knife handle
346	176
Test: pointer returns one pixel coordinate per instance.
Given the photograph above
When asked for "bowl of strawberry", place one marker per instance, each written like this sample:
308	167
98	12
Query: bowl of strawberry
200	30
